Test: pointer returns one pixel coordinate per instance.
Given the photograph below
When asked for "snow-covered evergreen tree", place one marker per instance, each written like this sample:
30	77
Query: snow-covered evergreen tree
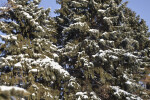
105	47
94	50
29	57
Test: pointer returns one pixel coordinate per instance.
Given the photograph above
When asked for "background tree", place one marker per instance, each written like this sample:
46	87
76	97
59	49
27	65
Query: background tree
29	57
105	46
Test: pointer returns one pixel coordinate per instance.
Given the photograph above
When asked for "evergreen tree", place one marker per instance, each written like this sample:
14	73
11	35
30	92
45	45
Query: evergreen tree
29	57
105	46
94	49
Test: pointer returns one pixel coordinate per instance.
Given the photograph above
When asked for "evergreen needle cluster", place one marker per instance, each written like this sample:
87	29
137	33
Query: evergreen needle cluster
93	50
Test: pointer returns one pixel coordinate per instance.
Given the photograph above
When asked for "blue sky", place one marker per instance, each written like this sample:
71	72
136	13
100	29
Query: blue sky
50	4
142	8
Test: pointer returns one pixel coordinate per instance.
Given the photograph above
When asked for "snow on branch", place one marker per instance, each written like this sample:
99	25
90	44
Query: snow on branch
84	95
78	25
48	62
3	8
8	88
101	11
26	14
41	62
128	95
9	37
7	92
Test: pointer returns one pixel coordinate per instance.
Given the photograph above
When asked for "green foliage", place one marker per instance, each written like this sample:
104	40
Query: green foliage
94	49
30	38
108	49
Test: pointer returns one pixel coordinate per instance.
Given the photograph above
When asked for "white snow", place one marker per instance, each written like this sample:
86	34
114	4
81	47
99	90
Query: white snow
106	18
48	62
110	41
105	5
119	50
41	62
78	18
101	10
13	2
8	88
33	70
93	30
128	82
36	0
79	98
19	6
14	37
114	57
94	97
56	66
129	55
49	95
35	86
9	58
82	94
103	53
86	62
18	64
33	94
15	24
119	92
105	33
55	55
109	19
77	25
40	28
8	37
24	47
3	8
27	14
72	82
102	40
77	3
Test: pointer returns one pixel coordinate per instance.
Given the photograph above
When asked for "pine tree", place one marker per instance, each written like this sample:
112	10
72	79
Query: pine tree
94	49
29	57
105	46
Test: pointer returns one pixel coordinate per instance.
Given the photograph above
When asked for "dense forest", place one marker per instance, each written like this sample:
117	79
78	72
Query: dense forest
92	50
